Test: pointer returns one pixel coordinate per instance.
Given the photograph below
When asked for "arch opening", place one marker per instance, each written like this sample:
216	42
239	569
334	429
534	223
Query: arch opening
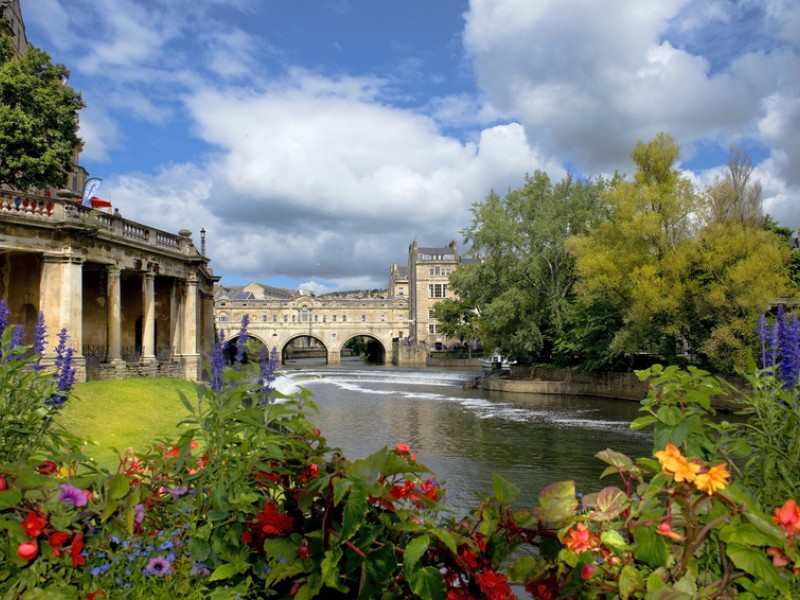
304	350
365	349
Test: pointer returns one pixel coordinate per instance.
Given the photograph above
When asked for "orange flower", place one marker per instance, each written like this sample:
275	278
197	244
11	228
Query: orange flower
788	517
665	529
715	479
779	558
580	539
674	464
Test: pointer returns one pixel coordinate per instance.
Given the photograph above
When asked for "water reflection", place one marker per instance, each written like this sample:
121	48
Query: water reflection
466	435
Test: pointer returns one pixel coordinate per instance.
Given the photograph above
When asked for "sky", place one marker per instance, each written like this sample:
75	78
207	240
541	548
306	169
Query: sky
314	140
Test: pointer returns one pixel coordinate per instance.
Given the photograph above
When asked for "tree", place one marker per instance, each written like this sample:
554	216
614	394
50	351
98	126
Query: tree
739	264
38	120
457	320
637	260
521	287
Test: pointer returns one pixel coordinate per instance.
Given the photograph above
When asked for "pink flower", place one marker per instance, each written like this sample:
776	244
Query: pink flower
402	449
72	495
28	550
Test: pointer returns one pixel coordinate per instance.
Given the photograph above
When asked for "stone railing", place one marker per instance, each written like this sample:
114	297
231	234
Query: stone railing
62	211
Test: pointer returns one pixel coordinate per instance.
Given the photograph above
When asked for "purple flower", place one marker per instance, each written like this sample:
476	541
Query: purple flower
159	566
138	513
269	364
72	495
790	352
177	492
65	373
39	341
241	343
16	337
763	339
4	312
217	364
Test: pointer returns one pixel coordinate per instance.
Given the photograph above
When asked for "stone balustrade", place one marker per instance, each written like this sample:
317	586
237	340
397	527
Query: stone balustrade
60	211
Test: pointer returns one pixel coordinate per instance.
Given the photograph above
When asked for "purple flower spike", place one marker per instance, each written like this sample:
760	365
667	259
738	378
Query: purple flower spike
217	364
39	341
72	495
241	343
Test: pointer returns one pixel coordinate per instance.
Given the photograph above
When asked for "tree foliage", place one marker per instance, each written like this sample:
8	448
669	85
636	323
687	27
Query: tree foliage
38	120
521	288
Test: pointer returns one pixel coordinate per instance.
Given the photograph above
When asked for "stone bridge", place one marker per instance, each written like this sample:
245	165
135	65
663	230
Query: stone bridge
301	323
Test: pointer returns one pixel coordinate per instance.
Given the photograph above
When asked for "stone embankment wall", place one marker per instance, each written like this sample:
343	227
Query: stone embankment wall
539	380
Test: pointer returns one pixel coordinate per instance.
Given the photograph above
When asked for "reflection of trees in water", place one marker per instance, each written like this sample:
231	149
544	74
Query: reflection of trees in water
365	347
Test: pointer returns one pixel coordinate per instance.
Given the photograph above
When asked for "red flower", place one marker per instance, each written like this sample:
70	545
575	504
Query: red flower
95	595
48	467
580	539
246	537
3	483
494	585
274	523
75	551
28	550
34	523
788	517
402	449
56	539
588	571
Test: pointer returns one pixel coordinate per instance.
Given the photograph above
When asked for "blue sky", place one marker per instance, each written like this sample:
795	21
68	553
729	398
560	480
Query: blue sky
314	140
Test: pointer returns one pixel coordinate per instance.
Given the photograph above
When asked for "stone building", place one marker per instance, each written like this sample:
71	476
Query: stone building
134	300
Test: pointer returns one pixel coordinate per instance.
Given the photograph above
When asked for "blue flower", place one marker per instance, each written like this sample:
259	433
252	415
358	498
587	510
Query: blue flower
241	344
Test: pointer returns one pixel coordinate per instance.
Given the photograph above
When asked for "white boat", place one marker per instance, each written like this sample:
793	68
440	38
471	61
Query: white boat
497	361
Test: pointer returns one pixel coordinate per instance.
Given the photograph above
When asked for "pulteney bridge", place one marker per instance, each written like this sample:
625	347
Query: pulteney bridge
300	323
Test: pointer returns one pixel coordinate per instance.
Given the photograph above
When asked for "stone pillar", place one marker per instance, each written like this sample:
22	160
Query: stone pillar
149	319
114	316
61	301
190	356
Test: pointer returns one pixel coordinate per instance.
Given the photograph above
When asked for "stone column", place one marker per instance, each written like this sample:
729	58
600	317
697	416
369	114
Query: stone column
189	328
61	301
149	319
114	316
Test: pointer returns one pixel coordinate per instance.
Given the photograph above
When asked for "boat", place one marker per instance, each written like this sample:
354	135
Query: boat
497	362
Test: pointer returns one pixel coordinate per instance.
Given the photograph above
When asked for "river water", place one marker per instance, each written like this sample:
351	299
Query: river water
466	435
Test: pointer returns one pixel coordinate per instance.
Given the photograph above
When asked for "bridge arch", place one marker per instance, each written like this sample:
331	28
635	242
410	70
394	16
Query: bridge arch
304	346
373	349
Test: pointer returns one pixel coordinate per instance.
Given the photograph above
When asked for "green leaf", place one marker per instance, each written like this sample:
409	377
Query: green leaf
428	583
747	534
415	551
642	422
329	569
630	581
557	502
9	498
650	547
616	459
199	549
355	510
609	504
612	539
505	491
446	538
755	562
119	486
225	571
527	568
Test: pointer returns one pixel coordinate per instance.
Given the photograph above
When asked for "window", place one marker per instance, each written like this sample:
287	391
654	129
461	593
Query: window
401	292
433	328
333	318
305	315
274	318
344	318
264	317
223	318
316	318
437	290
430	314
294	318
324	318
285	318
363	318
383	318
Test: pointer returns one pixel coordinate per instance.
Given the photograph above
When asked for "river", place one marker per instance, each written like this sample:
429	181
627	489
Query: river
466	435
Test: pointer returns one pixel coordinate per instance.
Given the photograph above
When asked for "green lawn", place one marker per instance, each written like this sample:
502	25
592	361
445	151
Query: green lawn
116	415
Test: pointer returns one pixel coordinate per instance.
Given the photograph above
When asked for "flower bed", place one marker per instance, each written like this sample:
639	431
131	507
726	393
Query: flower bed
251	502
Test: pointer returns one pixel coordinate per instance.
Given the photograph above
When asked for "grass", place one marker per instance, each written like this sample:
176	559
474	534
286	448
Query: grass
116	415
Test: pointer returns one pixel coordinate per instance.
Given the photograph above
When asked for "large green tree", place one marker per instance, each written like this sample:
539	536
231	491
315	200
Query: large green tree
636	261
738	266
520	289
38	120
